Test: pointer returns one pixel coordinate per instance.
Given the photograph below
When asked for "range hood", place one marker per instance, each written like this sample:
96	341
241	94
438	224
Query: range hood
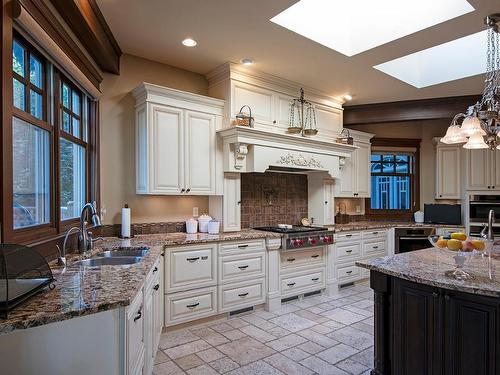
254	150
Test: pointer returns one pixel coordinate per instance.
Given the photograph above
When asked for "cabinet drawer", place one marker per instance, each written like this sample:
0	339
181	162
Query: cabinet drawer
346	251
348	237
300	283
374	234
373	248
191	267
348	273
239	247
186	306
299	258
237	268
236	296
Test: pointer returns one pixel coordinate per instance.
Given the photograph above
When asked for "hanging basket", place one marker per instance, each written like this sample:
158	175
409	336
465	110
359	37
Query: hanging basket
244	118
345	137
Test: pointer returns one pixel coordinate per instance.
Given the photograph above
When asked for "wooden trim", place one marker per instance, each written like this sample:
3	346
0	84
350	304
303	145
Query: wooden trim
43	15
88	24
396	142
425	109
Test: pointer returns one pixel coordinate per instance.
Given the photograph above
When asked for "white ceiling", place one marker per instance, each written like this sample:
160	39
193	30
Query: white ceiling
228	30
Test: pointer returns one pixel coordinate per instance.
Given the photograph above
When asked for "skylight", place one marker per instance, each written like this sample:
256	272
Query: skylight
453	60
354	26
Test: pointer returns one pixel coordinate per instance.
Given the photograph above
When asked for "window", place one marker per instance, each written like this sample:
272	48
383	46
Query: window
50	148
394	179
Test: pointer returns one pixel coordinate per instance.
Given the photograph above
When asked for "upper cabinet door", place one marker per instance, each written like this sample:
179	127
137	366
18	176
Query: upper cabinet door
478	170
328	122
167	150
448	172
232	202
329	213
346	185
200	153
260	100
363	173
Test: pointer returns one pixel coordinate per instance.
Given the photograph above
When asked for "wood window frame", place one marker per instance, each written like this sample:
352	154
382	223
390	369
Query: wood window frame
415	181
55	228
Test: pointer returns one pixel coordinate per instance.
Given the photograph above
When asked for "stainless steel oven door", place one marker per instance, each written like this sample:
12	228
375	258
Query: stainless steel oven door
411	243
478	211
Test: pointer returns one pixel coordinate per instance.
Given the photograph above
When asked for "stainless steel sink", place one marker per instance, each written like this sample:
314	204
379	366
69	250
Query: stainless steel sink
111	261
132	252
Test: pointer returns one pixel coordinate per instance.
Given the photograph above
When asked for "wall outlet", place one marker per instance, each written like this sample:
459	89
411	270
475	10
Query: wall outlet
358	209
195	211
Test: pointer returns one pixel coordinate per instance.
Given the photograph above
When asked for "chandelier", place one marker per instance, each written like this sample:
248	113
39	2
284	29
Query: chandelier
480	128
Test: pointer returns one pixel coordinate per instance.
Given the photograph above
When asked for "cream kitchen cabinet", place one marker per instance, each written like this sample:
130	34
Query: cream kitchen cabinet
355	173
483	170
448	171
228	207
176	141
321	207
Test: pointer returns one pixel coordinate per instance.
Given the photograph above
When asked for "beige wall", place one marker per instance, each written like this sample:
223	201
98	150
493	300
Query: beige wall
425	130
118	142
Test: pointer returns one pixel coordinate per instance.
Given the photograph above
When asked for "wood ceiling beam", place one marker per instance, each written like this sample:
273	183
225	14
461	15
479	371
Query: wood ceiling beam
87	22
410	110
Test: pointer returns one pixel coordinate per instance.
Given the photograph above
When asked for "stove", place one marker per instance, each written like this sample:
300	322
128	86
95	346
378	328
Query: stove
300	237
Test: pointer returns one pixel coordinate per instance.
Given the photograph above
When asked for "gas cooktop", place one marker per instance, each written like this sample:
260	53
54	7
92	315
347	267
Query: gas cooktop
298	237
293	229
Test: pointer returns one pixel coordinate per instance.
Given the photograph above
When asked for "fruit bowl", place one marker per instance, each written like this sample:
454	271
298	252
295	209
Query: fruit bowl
463	244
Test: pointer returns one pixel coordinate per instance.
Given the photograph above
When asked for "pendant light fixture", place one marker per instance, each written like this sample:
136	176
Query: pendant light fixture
480	126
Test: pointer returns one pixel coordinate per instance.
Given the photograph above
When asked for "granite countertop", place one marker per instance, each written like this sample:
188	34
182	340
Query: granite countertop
428	267
83	291
363	225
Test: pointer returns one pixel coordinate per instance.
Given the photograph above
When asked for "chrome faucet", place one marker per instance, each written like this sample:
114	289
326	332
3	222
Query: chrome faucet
491	219
85	240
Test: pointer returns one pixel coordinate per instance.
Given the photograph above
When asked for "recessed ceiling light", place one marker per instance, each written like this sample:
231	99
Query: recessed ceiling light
188	42
348	97
449	61
354	26
247	61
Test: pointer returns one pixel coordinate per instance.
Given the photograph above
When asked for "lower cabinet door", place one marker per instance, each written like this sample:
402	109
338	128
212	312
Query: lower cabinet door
416	323
148	331
135	342
472	334
157	318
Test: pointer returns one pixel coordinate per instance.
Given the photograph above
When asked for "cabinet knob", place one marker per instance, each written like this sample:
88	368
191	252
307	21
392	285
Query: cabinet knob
489	187
238	203
183	190
440	195
326	202
274	121
155	269
138	316
188	190
492	187
156	287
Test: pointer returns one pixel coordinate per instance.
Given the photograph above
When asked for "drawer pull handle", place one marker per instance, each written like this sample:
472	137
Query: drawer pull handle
242	246
348	251
349	272
192	259
156	287
348	235
375	247
155	269
374	232
138	316
314	255
193	305
243	267
205	257
242	295
291	259
315	279
290	284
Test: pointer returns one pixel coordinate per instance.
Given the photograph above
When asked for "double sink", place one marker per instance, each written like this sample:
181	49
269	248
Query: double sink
120	256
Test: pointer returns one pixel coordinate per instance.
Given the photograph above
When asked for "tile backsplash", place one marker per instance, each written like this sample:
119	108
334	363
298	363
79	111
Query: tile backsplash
271	198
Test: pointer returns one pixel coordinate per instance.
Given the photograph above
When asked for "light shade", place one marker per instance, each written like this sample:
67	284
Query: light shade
354	26
453	135
476	141
472	125
434	65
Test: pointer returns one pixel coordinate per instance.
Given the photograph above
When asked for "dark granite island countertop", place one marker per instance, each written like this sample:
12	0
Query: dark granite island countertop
84	291
428	267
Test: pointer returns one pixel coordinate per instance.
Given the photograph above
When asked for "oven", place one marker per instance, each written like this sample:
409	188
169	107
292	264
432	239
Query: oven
480	206
410	239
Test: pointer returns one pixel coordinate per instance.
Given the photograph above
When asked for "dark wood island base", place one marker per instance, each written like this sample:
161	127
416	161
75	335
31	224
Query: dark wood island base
422	329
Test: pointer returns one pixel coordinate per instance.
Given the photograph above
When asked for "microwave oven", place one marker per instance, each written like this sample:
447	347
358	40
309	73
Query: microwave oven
480	206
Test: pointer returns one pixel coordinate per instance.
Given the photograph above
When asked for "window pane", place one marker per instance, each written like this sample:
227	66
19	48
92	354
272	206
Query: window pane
19	92
390	193
76	127
376	157
66	124
388	163
85	119
72	170
36	104
18	63
403	164
31	174
65	96
76	103
36	72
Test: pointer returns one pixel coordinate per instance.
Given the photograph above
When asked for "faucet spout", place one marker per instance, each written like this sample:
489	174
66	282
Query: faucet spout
491	220
85	242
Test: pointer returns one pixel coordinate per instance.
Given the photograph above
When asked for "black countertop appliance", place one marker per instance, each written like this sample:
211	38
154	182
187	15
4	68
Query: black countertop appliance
450	214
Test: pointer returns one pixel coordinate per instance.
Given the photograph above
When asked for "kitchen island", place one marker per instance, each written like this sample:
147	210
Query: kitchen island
429	323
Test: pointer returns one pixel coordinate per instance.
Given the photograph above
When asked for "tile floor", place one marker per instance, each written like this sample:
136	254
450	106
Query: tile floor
315	335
